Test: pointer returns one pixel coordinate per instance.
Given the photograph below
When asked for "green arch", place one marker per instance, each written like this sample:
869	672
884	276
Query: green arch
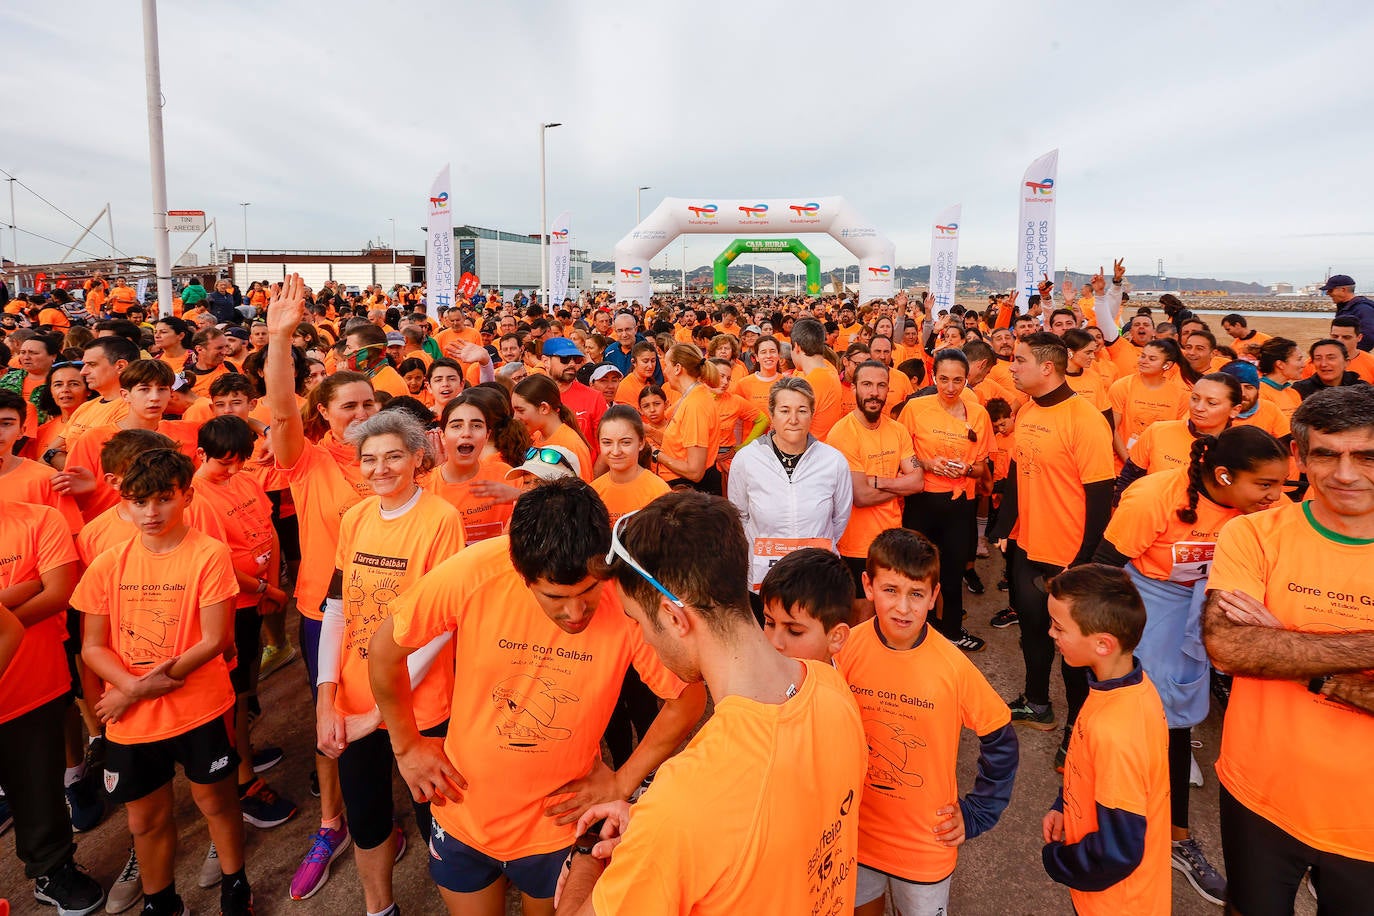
719	286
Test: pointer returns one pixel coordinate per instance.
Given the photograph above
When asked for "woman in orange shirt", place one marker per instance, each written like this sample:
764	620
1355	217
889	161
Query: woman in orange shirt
1164	534
64	391
386	543
1281	362
754	388
412	371
539	406
741	422
687	457
1152	393
482	441
1213	404
653	409
726	347
172	338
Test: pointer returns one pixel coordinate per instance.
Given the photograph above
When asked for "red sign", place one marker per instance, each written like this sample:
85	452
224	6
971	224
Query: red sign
468	285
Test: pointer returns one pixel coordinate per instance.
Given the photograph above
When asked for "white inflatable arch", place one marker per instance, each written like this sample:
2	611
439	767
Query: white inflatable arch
676	216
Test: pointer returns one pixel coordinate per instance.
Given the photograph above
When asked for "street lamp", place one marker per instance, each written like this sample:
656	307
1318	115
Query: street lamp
544	218
392	221
245	243
638	191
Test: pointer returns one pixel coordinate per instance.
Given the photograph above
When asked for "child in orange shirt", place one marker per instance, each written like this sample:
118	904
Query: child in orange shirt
158	623
1107	834
915	692
807	599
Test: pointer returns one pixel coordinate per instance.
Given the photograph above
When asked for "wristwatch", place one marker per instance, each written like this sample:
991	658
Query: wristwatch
585	843
654	454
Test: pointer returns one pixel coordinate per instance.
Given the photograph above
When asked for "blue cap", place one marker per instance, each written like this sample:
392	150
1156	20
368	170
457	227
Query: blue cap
1243	372
562	347
1336	282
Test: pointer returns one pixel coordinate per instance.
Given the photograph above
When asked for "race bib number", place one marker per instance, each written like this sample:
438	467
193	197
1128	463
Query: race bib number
768	551
480	531
1192	561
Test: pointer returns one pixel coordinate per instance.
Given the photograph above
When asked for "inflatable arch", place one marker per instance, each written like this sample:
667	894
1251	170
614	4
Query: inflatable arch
720	269
676	216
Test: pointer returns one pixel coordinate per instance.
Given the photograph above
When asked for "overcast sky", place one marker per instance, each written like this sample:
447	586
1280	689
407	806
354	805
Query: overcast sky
1231	140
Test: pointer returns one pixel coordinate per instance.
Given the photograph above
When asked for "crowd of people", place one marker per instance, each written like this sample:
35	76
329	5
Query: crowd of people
533	552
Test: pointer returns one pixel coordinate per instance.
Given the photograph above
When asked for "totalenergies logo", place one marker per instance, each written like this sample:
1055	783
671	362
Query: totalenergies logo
877	272
1044	186
704	211
951	229
631	273
559	235
757	211
440	202
804	209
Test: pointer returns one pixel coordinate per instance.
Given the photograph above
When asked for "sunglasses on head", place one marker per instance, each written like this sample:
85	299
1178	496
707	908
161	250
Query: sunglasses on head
618	550
547	456
69	364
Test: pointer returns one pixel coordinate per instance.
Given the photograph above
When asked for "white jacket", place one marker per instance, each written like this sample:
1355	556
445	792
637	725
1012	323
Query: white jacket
814	502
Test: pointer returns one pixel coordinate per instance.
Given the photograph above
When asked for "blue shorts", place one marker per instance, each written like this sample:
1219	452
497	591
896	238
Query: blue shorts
456	866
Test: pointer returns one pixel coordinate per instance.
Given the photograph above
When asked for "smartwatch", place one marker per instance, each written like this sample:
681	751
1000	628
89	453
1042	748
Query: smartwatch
585	843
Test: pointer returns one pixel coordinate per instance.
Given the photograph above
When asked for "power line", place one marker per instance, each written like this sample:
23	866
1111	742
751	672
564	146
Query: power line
94	256
59	210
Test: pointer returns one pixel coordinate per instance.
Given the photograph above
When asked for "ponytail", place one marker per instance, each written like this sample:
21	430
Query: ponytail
540	389
694	363
1197	467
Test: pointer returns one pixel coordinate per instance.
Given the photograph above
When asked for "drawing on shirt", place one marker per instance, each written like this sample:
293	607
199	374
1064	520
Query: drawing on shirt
889	753
528	706
148	633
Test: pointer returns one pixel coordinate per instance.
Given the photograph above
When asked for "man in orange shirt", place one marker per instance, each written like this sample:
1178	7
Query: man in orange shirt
543	647
759	814
808	356
1057	505
365	351
1290	614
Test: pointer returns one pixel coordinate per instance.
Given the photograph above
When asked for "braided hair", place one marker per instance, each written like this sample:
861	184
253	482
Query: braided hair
1240	448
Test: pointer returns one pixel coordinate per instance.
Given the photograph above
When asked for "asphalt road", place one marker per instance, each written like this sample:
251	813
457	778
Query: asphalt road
998	873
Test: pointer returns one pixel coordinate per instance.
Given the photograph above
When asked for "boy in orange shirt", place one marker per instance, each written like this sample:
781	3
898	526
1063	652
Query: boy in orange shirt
1107	834
807	598
915	691
158	623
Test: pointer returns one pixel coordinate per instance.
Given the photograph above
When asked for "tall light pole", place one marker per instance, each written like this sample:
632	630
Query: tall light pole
392	221
544	219
14	239
245	245
639	191
157	159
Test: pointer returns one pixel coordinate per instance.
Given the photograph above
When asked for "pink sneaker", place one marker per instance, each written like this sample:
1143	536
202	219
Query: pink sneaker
325	847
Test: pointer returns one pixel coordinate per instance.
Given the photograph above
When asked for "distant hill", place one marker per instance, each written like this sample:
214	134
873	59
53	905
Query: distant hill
974	275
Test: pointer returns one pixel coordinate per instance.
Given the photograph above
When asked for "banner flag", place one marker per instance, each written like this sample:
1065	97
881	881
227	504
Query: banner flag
944	256
1035	227
439	247
560	259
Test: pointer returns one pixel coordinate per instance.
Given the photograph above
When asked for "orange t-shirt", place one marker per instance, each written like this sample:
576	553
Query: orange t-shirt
776	786
899	388
482	517
936	433
1000	375
1135	405
154	603
1002	448
754	389
826	383
694	424
381	559
1058	450
736	416
1090	384
34	540
1315	581
913	704
1286	399
1123	354
566	437
204	379
86	454
873	453
624	498
533	700
111	529
627	392
1164	445
31	482
1146	528
242	504
200	412
1118	758
31	385
92	415
389	380
325	483
1268	417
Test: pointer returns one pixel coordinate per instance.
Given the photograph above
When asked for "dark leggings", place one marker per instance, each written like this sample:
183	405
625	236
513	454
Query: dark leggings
635	710
1180	768
1030	598
31	764
365	777
951	525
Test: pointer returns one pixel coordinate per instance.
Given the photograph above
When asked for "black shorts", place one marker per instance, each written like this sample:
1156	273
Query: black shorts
288	528
72	644
1265	865
206	754
456	866
248	646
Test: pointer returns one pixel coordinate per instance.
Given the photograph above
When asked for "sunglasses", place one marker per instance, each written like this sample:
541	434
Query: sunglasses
618	550
547	456
69	364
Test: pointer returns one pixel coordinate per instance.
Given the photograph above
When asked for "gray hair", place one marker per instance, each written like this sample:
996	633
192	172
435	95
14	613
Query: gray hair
1335	410
393	423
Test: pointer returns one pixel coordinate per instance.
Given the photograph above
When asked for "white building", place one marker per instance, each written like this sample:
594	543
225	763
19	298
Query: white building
347	268
509	262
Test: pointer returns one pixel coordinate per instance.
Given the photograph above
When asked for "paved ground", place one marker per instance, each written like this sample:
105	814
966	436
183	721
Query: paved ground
999	873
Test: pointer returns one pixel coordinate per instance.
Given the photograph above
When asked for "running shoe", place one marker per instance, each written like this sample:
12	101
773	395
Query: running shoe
236	898
968	642
86	802
1024	713
1194	772
95	754
326	846
264	758
210	872
972	582
70	889
1007	617
275	658
401	844
1061	755
1003	585
264	808
315	783
128	887
1189	859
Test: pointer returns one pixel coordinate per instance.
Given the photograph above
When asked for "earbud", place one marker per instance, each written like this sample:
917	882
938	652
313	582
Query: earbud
1225	479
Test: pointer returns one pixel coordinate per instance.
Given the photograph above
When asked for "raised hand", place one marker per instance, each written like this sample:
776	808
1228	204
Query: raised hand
1046	287
1118	270
286	308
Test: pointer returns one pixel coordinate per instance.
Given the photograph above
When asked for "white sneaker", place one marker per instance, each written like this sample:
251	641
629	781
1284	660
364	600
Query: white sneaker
210	873
128	887
1194	772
